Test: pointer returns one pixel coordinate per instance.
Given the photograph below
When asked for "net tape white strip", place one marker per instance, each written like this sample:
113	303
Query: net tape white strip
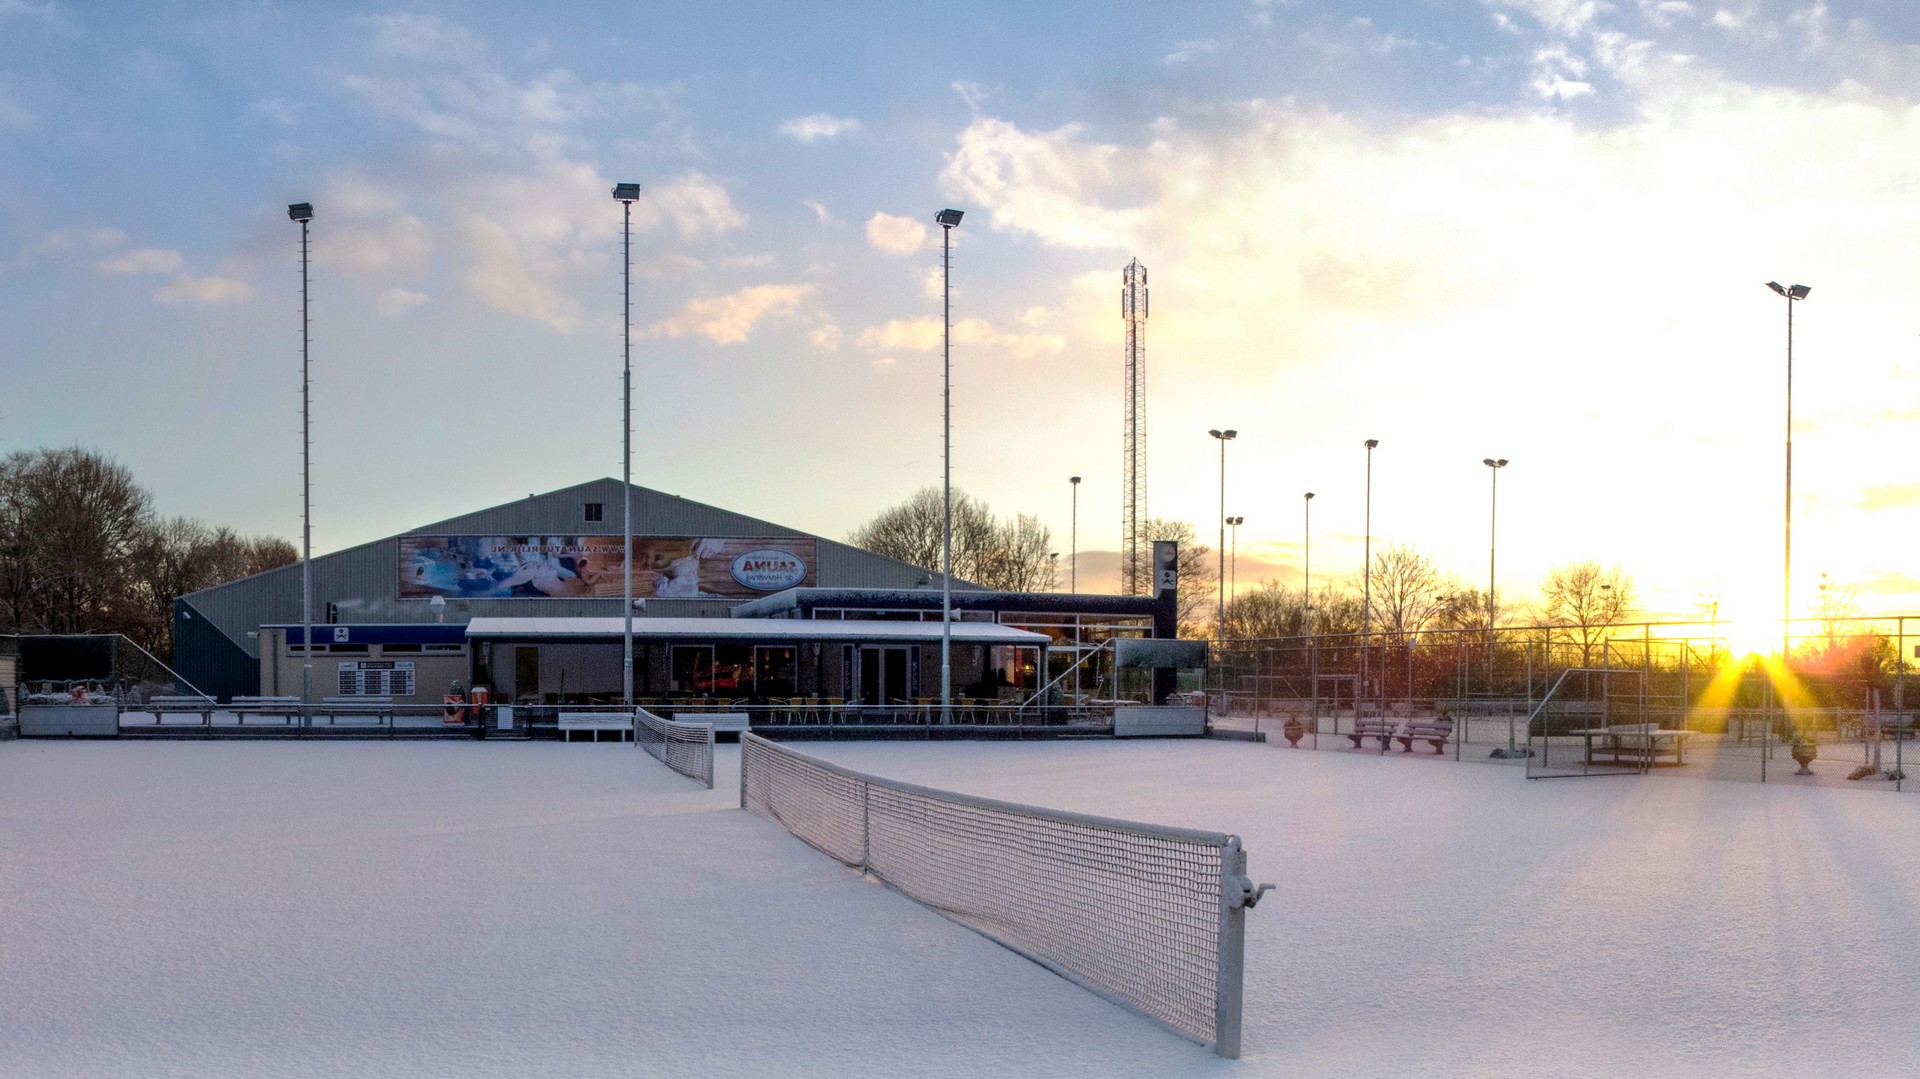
686	748
1131	911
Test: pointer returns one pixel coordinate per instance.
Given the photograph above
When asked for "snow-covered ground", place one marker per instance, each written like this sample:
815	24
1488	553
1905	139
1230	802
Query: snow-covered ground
527	909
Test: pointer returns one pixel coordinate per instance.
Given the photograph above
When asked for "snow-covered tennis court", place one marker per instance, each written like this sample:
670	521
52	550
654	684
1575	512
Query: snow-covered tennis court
262	909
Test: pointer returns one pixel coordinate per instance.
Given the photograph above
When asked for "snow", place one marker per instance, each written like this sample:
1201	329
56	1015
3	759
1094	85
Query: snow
471	908
1439	920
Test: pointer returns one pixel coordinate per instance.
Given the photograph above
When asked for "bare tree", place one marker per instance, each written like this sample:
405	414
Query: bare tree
1586	598
82	552
1408	590
181	555
1269	609
74	520
1462	608
1009	554
1837	603
1198	574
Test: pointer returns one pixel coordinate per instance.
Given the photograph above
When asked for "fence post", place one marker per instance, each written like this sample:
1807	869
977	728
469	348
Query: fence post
1231	976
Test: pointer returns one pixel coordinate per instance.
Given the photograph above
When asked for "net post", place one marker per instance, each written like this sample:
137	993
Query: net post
866	829
743	768
1231	975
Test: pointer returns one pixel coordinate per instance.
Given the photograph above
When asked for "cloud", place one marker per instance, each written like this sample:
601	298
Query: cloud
87	239
515	276
1566	17
1025	346
826	337
1189	50
400	243
1046	183
143	260
818	125
727	320
516	155
1558	74
694	204
819	210
421	37
189	289
896	235
975	94
917	335
398	301
1890	496
928	334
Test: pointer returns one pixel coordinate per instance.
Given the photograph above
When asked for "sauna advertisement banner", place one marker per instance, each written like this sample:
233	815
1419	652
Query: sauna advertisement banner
568	567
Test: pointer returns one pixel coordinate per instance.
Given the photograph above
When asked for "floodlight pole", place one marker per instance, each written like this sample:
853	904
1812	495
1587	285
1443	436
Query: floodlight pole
1234	523
1366	583
626	194
947	219
1493	523
1792	295
1306	535
1073	540
303	213
1306	607
1223	437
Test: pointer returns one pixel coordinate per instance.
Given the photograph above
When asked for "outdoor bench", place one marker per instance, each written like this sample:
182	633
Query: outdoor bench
1434	732
1373	727
721	722
595	722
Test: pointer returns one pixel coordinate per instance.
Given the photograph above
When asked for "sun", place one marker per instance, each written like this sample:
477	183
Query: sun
1745	635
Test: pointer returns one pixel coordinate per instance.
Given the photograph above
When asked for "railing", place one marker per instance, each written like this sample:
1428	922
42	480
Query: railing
284	718
916	715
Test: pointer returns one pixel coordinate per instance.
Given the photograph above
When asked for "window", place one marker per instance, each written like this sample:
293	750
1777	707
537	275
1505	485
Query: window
773	672
596	511
376	679
693	669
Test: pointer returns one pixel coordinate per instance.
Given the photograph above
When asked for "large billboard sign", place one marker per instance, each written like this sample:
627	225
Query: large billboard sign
562	567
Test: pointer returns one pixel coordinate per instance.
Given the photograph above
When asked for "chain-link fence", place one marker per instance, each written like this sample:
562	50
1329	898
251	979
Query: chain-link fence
1673	698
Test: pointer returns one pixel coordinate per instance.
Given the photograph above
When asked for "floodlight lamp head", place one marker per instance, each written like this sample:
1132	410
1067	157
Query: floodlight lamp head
1214	431
1372	442
626	192
1309	496
300	211
948	218
1075	480
1229	433
1799	292
1777	287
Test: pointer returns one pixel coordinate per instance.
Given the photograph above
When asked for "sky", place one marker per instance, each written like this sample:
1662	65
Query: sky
1537	230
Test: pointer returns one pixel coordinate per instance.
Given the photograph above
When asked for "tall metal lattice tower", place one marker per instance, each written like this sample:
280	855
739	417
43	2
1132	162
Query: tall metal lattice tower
1136	574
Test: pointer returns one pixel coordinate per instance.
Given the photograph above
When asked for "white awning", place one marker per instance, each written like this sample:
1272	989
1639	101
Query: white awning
747	629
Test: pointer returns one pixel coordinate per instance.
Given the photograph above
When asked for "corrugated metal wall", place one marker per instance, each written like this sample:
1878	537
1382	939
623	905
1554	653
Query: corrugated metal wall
363	583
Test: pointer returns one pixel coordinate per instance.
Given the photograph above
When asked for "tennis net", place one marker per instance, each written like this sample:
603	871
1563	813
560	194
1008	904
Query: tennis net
686	748
1147	916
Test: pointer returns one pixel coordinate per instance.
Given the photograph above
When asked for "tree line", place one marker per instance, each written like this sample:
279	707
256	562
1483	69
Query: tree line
82	550
1409	593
